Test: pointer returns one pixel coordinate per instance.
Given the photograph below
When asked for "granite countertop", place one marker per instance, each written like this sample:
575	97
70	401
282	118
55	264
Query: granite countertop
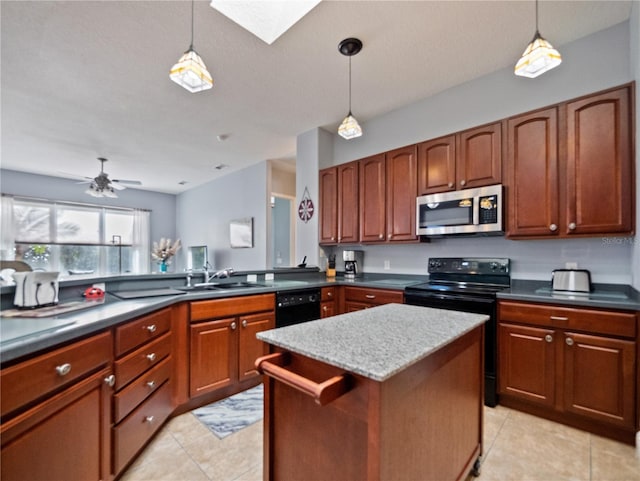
608	296
377	342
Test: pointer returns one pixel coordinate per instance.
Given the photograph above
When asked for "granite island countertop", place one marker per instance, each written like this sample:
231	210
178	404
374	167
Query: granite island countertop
377	342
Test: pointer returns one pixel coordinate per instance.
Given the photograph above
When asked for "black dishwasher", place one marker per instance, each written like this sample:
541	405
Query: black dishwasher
294	307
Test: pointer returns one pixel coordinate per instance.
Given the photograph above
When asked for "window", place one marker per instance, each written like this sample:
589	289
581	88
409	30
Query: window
77	239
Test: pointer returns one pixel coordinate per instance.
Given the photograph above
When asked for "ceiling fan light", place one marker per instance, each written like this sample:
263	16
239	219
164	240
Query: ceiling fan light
539	57
191	73
349	128
109	192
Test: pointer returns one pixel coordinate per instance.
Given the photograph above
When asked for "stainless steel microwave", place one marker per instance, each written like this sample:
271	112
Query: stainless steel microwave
469	211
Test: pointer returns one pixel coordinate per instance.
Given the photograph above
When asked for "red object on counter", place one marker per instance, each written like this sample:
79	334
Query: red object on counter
93	293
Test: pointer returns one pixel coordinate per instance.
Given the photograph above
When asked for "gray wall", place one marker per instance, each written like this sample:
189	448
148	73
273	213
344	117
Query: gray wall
487	99
162	206
205	211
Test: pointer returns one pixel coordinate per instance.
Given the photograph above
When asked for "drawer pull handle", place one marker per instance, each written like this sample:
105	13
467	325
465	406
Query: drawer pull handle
148	419
151	384
63	369
151	357
110	380
370	296
244	323
548	338
323	393
559	318
569	341
152	328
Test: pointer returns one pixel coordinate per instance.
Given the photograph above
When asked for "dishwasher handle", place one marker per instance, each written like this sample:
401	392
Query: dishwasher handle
322	393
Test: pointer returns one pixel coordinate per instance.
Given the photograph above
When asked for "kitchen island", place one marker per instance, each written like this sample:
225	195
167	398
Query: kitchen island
389	393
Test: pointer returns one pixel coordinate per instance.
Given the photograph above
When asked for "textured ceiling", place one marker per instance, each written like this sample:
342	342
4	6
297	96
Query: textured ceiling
84	79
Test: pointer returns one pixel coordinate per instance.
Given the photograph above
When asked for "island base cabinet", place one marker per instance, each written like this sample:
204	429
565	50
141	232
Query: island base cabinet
65	438
423	423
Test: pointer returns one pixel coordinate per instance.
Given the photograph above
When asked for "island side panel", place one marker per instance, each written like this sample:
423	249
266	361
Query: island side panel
431	415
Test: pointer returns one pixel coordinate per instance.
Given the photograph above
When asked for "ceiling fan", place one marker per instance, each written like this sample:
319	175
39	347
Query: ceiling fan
102	186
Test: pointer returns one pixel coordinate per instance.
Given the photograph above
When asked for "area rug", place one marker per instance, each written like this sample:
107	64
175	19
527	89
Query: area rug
234	413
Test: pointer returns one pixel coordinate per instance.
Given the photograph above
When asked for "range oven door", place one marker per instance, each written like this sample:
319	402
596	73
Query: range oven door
477	305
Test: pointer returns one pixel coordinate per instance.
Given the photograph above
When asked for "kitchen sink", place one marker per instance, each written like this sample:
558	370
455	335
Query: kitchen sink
208	287
216	286
239	285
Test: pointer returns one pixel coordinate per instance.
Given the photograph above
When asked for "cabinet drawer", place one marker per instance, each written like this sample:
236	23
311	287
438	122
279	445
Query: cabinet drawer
134	364
140	389
372	296
137	332
612	323
32	379
328	294
235	306
133	433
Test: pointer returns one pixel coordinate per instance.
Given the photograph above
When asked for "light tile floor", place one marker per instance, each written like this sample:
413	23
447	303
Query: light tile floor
517	447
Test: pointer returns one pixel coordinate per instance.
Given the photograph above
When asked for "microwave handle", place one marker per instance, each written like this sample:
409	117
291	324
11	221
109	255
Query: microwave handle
476	210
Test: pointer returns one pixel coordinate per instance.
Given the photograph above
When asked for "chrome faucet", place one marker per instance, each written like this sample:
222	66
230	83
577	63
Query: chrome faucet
221	274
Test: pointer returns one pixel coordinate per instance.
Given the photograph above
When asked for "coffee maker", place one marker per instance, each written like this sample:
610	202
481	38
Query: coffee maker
353	261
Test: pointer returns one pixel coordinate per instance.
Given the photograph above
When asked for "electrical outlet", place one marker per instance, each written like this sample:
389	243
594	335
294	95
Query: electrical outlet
570	265
387	264
252	278
269	276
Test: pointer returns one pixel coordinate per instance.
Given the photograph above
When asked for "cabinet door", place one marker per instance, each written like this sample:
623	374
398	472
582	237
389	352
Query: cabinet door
251	348
348	202
66	437
329	206
351	306
213	357
599	378
526	360
437	165
532	188
599	165
479	160
327	309
372	199
402	189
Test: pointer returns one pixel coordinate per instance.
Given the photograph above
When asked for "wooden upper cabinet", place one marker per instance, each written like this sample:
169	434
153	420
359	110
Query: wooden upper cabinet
479	159
599	194
402	189
532	155
372	199
437	165
329	205
348	202
472	158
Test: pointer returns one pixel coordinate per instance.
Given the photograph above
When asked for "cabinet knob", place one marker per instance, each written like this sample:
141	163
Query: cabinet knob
233	326
324	308
152	328
63	369
389	236
148	419
572	226
553	227
380	236
110	380
463	182
333	238
569	341
330	294
450	184
548	338
339	239
151	357
244	323
151	384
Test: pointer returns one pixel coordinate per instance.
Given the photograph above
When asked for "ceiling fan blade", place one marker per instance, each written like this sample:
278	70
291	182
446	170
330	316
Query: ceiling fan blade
117	186
132	182
74	176
84	182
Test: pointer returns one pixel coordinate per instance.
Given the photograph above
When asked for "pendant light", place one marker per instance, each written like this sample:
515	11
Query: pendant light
190	72
350	129
539	56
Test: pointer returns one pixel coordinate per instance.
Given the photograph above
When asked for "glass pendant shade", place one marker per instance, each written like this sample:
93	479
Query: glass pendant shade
538	58
191	73
349	128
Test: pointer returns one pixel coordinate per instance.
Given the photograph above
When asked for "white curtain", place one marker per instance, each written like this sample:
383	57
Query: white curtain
141	241
7	230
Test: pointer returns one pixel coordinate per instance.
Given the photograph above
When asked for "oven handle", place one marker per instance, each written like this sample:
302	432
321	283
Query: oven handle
323	393
447	297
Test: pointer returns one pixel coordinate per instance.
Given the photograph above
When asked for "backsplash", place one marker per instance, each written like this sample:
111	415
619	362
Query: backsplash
608	259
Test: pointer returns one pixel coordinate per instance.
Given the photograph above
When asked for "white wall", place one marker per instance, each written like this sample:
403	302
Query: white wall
634	43
162	206
205	211
487	99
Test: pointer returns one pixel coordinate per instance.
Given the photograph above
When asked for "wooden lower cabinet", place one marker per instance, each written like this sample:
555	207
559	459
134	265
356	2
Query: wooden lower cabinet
328	301
576	366
358	298
223	350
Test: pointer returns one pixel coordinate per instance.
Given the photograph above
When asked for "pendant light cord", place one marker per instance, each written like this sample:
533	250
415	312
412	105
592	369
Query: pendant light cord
192	2
349	84
536	16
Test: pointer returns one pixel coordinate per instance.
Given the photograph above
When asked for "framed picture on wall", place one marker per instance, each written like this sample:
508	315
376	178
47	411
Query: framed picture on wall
241	233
